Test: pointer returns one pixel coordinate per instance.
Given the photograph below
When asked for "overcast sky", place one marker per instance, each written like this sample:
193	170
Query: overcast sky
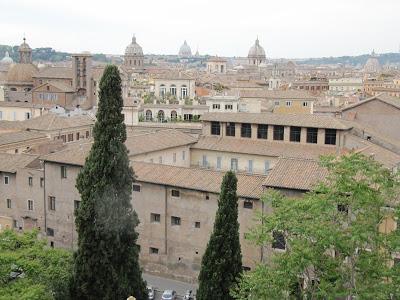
286	28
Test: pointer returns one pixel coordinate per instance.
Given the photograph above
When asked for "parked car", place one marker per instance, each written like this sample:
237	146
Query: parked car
169	295
150	292
188	295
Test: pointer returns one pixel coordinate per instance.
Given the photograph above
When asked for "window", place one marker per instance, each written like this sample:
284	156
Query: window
305	103
246	130
77	204
30	181
288	103
279	132
234	164
155	218
228	106
216	106
230	129
153	250
87	134
6	180
312	135
277	103
50	231
172	90
174	157
175	193
215	128
136	187
77	136
175	221
196	224
183	155
278	240
63	172
52	244
41	181
184	91
295	133
262	131
219	162
204	161
248	204
266	167
70	137
250	167
27	115
330	136
9	203
30	204
207	196
52	203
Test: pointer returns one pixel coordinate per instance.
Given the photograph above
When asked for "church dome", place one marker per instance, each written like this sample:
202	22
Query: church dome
7	60
133	49
372	65
21	73
256	51
185	50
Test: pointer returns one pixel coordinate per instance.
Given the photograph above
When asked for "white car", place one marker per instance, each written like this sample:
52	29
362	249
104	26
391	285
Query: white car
150	292
169	295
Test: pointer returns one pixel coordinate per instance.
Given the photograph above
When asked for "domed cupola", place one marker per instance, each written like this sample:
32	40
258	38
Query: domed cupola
133	55
7	60
185	51
25	53
256	54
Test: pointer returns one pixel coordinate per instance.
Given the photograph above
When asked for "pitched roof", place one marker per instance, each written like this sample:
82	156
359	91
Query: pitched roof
19	136
263	147
52	121
11	162
59	85
138	142
384	98
249	186
23	104
302	120
295	174
159	140
55	72
276	94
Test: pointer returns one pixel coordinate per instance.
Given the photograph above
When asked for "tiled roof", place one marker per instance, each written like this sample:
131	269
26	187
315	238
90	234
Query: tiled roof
302	120
23	104
295	174
159	140
54	72
52	121
384	98
262	147
249	186
137	143
19	136
288	94
11	162
61	86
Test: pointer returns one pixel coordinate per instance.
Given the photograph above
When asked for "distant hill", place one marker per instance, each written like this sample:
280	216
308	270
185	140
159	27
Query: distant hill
45	54
386	58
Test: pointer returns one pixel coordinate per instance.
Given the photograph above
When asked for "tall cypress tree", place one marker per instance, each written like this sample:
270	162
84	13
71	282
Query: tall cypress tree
106	263
222	261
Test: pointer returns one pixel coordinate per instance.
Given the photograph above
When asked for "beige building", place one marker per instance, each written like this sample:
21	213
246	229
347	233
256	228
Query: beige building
216	65
20	111
179	86
346	85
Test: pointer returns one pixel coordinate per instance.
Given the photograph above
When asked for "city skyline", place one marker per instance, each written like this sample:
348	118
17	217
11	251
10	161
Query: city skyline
286	30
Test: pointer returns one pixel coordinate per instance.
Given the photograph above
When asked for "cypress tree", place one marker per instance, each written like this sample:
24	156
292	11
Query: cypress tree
106	263
222	261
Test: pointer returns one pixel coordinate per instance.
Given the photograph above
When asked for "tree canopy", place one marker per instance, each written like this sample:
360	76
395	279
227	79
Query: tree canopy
339	239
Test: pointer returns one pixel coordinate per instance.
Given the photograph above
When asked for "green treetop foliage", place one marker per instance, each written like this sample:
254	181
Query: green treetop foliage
106	262
336	244
29	270
222	261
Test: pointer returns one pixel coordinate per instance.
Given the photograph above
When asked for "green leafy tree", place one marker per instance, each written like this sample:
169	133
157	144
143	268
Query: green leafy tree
339	238
31	270
222	261
106	262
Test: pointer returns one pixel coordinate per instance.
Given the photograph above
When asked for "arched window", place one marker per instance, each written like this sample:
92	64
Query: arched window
172	89
149	115
184	91
163	90
173	115
160	115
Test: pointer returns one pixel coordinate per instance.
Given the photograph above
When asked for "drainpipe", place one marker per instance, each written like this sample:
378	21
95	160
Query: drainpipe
44	196
165	219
